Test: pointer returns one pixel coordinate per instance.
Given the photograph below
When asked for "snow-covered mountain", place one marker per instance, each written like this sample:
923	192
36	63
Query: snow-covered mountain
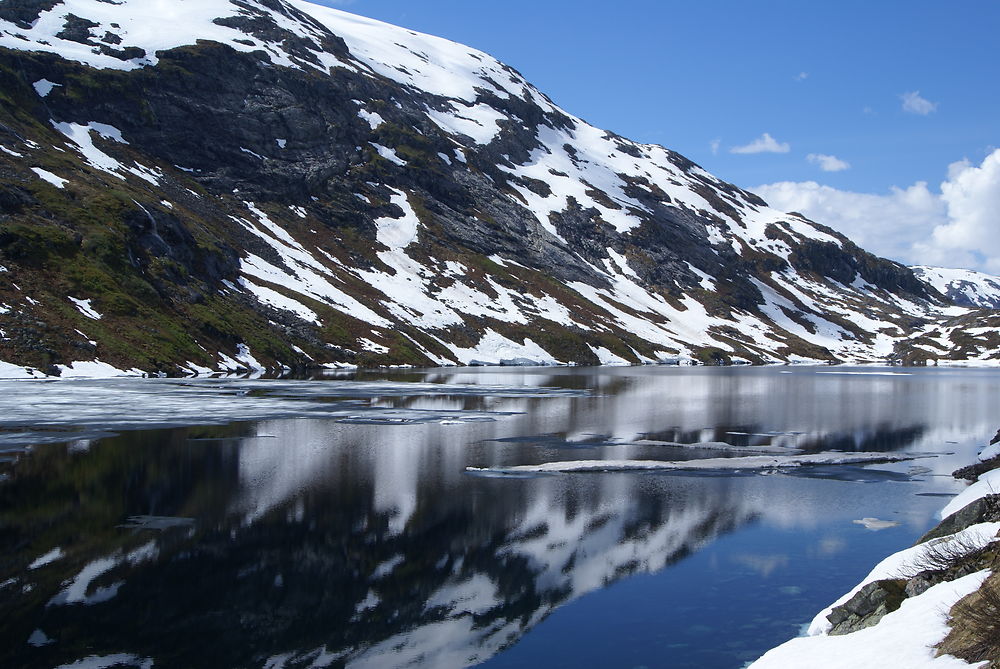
240	183
964	287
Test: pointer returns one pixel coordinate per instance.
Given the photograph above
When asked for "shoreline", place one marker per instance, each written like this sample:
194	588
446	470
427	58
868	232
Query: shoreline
930	605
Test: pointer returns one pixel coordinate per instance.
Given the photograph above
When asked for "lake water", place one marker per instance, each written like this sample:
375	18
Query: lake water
332	523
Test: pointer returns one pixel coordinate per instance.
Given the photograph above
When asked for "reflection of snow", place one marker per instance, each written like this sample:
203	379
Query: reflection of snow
76	591
107	661
48	558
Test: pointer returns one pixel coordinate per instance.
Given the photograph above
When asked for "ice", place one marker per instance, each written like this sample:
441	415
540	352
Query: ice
65	410
875	524
45	175
750	462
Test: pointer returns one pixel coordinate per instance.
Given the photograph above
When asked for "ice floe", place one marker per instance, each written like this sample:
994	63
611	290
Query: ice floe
750	462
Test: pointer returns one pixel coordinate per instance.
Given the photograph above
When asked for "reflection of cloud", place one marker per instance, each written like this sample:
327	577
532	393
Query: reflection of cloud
831	546
765	565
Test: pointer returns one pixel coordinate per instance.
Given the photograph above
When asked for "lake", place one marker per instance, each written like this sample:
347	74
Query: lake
333	522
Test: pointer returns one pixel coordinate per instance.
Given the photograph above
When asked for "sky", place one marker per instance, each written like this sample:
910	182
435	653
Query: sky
880	119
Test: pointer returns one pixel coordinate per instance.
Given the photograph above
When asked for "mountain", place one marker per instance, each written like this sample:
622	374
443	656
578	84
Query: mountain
267	183
964	287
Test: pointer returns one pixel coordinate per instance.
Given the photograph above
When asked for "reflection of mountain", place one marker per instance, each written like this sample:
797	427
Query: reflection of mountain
325	543
350	558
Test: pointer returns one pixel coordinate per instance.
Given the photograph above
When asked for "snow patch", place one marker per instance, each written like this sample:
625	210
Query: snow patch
45	175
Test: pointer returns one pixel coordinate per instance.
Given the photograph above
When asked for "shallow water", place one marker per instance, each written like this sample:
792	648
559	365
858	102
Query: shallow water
253	523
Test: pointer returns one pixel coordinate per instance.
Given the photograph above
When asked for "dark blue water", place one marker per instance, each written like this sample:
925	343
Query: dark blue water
332	523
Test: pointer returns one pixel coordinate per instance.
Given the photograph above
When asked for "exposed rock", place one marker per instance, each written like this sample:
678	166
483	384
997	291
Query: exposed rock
868	606
983	510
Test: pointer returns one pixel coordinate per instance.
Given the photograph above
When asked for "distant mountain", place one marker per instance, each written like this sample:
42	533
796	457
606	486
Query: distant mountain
964	287
263	183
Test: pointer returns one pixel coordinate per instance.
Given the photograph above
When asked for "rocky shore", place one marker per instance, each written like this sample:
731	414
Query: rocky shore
935	604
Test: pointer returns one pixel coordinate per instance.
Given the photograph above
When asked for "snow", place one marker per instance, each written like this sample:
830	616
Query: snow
750	462
154	25
989	452
988	484
11	152
278	300
606	357
43	87
45	175
480	122
903	638
979	288
428	63
899	563
81	136
93	369
85	308
388	154
494	349
9	371
374	120
398	233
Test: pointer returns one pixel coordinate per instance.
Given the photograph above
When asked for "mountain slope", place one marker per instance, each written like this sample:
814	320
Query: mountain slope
964	287
270	183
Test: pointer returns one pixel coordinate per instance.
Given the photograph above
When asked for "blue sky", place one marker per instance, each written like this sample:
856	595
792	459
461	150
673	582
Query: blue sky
823	79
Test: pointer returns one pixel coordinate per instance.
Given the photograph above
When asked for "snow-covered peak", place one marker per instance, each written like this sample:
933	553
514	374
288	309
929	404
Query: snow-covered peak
965	287
127	34
430	64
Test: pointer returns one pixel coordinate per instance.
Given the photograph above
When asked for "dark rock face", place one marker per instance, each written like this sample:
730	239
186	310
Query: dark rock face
23	12
229	137
983	510
868	606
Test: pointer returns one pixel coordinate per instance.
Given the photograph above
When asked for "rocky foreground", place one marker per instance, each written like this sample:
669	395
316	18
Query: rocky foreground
936	604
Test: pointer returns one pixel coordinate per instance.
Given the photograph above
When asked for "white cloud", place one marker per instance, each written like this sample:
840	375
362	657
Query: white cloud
715	144
801	76
972	195
763	144
913	103
957	227
828	163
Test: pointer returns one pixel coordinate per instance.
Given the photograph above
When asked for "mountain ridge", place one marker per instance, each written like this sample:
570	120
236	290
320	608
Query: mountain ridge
294	186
